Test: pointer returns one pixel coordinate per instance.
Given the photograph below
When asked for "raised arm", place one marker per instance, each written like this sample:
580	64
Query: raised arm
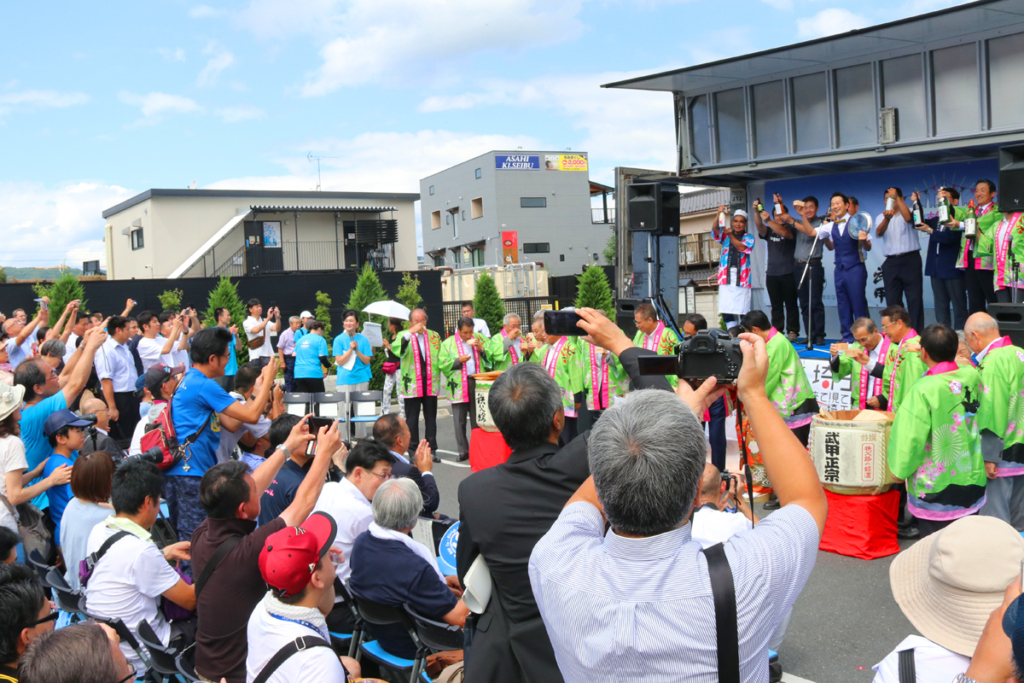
92	340
169	344
68	310
66	334
250	412
29	329
328	444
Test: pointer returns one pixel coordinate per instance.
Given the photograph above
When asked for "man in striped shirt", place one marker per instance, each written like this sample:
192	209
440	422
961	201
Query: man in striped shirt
636	604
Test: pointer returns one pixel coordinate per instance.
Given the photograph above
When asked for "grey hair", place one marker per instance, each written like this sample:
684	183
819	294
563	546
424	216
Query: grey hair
647	455
523	401
538	315
294	317
508	317
54	348
962	336
425	317
397	504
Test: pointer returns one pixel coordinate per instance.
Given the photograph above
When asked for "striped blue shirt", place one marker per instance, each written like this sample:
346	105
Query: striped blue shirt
900	236
620	608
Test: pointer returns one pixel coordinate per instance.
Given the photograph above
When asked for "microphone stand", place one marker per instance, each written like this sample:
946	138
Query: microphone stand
810	289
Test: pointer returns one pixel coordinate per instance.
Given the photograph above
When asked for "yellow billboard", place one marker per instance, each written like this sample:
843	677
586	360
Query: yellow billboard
565	162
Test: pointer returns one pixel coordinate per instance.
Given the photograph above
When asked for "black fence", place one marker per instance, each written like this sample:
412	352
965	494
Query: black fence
291	293
523	307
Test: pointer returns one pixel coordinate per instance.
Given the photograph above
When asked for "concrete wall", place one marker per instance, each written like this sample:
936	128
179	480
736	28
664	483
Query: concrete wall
175	227
564	224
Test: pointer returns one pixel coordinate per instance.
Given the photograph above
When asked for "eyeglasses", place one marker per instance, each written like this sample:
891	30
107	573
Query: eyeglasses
385	477
131	675
52	616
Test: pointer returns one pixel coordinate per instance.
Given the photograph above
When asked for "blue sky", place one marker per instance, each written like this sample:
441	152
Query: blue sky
101	101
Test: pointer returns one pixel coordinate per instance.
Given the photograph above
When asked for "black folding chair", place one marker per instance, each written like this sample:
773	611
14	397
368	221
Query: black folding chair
162	656
36	561
434	636
68	599
383	615
185	661
355	638
126	636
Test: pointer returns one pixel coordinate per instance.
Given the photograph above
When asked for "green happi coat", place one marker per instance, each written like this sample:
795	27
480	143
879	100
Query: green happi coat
935	444
787	385
568	370
449	357
902	369
848	367
981	247
410	389
666	345
1002	403
618	379
498	356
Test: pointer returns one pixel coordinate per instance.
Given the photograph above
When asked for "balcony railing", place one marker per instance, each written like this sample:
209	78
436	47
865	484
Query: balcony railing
698	250
599	215
293	257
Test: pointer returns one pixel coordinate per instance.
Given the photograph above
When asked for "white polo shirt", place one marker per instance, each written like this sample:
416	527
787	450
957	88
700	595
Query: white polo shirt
127	584
273	625
351	512
267	349
150	351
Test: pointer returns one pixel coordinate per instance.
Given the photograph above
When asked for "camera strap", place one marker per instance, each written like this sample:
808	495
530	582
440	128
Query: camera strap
726	624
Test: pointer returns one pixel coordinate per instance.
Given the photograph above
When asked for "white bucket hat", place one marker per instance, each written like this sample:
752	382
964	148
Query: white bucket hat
948	583
10	399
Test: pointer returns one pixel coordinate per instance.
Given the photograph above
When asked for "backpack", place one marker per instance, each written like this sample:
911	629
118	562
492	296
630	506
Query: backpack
160	434
35	537
88	565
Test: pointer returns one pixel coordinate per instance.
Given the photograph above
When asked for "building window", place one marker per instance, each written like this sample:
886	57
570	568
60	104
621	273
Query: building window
435	220
1005	61
438	260
858	117
700	127
955	87
903	88
431	190
137	242
533	202
561	257
447	219
810	112
479	174
463	214
732	125
769	120
477	207
536	248
478	257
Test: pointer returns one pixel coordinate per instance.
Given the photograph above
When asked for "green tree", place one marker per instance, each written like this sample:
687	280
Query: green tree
488	304
323	314
409	291
3	276
62	291
593	291
171	299
368	289
611	250
225	295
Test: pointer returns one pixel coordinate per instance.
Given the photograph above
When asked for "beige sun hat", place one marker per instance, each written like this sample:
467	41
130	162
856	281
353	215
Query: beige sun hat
10	399
948	583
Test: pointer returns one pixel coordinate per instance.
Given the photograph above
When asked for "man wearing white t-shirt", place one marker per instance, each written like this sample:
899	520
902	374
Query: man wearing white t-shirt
248	381
129	579
153	346
257	328
178	329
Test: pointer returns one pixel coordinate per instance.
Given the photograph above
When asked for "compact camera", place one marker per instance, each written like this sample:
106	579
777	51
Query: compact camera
701	356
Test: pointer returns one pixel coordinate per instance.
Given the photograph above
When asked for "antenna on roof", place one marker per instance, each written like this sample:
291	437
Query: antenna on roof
192	185
310	158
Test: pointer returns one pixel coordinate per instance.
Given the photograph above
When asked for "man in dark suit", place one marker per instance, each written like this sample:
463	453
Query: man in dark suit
506	509
394	434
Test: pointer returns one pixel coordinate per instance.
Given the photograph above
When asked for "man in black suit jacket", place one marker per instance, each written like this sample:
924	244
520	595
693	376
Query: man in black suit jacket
506	509
393	433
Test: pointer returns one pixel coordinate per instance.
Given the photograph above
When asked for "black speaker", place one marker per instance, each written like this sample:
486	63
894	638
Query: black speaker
653	207
625	309
1011	180
1011	320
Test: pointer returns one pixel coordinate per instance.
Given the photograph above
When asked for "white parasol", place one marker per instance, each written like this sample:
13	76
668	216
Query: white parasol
388	309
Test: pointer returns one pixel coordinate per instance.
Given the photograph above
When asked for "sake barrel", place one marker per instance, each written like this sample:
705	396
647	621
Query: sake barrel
849	451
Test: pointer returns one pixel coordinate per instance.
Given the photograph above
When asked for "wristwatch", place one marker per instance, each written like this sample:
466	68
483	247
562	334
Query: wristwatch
964	678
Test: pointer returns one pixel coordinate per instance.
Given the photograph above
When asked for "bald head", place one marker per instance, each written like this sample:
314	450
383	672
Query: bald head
710	484
980	330
92	405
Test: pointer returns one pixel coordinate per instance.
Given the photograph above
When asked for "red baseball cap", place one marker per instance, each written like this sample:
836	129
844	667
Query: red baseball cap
290	556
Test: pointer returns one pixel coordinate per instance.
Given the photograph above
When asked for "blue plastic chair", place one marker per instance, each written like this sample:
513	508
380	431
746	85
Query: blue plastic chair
382	657
383	615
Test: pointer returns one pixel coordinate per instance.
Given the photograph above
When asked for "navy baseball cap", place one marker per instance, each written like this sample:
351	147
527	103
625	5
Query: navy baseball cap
1013	627
61	419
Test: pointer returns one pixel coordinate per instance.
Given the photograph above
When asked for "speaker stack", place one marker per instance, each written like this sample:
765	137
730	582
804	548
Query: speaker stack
1011	180
1011	320
653	208
625	309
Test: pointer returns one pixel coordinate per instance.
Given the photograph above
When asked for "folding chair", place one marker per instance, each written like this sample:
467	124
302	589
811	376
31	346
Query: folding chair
185	662
36	561
126	636
383	615
434	636
68	599
300	404
356	637
162	656
363	408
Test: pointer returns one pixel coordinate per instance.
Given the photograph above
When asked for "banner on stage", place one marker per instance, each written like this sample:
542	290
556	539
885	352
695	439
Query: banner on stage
517	162
831	395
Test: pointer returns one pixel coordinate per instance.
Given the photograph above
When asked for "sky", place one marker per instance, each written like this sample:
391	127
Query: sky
99	102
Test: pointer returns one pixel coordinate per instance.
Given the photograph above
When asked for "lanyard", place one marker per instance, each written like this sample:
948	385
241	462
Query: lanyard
297	621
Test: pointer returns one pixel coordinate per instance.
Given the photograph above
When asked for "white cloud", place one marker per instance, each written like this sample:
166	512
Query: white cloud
220	59
242	112
49	224
175	55
377	162
829	22
364	40
205	12
40	99
155	104
618	127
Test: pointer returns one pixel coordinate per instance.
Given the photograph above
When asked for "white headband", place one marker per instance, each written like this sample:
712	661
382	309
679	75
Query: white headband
740	212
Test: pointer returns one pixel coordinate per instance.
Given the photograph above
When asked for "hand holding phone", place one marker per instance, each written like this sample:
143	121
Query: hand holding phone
563	324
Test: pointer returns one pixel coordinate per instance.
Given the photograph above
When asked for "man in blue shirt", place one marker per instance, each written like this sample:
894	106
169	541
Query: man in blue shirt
200	409
948	284
64	431
390	568
46	393
310	359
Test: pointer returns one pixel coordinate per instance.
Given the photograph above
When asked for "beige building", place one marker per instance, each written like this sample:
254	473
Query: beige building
206	233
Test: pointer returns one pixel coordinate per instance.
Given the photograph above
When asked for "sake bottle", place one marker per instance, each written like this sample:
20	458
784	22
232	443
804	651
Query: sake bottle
971	221
945	210
721	220
918	212
758	205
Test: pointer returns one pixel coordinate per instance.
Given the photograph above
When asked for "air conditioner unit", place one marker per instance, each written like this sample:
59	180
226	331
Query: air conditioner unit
887	125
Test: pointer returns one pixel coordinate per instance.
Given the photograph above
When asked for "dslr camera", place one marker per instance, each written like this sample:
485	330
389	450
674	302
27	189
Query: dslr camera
701	356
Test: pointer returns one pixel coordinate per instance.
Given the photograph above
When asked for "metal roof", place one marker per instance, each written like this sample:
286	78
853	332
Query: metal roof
704	200
263	194
274	208
952	22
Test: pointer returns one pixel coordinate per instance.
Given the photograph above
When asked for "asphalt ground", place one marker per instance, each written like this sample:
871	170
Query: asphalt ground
844	622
